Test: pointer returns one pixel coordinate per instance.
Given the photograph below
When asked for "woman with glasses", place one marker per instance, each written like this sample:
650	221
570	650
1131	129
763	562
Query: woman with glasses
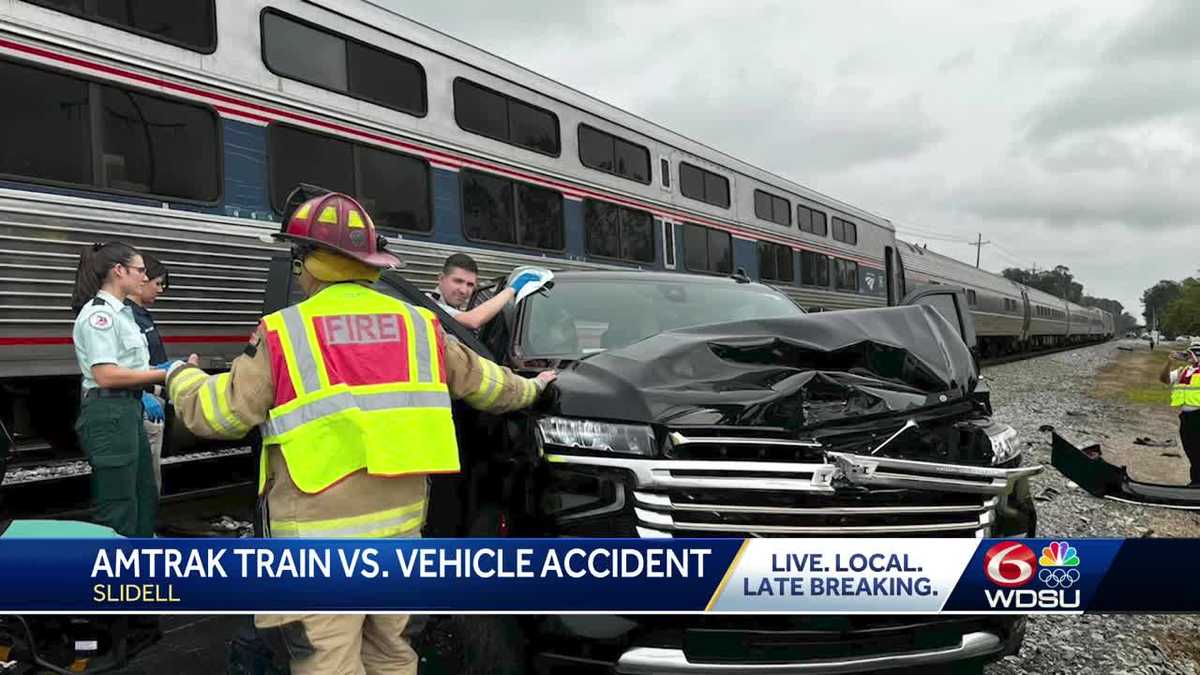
115	362
140	302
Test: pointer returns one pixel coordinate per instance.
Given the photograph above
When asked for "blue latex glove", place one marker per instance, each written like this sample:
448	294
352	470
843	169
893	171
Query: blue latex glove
522	279
154	409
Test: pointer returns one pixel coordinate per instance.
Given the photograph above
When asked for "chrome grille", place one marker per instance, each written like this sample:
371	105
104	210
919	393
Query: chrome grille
834	494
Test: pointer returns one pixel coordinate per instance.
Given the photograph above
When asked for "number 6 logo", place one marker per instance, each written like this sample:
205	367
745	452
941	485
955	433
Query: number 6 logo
1009	564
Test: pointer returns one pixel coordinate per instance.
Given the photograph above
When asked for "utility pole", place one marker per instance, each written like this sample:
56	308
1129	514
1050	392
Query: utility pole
979	244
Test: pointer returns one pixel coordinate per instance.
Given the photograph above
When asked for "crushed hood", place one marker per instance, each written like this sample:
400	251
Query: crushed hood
794	372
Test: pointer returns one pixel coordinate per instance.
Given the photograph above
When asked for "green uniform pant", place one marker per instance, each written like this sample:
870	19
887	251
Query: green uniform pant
124	493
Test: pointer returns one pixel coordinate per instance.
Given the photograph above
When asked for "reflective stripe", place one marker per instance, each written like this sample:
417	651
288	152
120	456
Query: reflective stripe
185	381
498	385
297	337
486	383
308	412
420	343
208	409
390	523
219	387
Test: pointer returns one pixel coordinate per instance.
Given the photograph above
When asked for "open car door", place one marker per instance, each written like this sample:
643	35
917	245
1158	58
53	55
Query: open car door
951	303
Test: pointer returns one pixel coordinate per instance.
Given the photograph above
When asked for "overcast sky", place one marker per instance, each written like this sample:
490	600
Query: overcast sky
1065	132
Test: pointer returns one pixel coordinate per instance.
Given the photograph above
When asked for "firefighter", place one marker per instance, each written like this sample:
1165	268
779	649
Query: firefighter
352	390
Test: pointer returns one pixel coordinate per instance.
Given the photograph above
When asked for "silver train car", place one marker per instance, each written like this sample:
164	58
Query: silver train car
1009	317
180	128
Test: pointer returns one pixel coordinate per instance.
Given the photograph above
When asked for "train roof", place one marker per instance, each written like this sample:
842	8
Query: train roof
387	20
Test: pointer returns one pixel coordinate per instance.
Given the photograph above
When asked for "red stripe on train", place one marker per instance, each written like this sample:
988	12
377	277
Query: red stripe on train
221	339
431	152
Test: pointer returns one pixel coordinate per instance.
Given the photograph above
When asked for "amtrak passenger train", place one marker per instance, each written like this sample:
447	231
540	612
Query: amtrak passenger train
180	126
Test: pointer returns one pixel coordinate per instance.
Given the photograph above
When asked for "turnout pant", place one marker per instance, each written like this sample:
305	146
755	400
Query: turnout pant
1189	436
114	440
341	644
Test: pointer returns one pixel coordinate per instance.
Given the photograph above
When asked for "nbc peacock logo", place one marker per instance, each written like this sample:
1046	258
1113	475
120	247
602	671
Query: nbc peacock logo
1060	565
1011	565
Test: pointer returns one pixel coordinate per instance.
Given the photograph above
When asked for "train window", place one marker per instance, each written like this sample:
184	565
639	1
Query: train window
707	250
775	262
74	131
705	186
46	137
190	24
617	232
803	218
814	269
489	113
507	212
845	274
605	152
301	51
386	79
669	244
394	188
539	218
775	209
845	231
665	168
143	138
819	225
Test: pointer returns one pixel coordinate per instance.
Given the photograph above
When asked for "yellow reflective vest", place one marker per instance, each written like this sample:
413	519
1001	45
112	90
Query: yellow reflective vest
1186	391
360	383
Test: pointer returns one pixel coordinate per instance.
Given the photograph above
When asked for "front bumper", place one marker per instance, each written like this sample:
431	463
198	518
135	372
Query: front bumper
658	661
587	645
1087	468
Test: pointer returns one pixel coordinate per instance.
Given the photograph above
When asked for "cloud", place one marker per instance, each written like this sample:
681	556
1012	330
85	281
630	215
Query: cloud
1165	31
1113	98
962	59
1137	200
1149	70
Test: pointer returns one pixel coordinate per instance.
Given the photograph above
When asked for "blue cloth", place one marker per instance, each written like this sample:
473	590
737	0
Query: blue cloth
523	279
154	409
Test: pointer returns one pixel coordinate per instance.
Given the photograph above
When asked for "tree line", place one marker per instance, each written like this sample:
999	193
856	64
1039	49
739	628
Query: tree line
1061	283
1174	306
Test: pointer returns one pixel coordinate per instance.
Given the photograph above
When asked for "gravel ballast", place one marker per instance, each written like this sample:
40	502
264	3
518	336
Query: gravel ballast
1051	390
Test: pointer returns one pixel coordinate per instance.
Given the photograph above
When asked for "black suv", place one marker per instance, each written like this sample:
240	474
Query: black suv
696	406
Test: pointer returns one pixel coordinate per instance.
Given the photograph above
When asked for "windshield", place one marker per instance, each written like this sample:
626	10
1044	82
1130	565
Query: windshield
580	317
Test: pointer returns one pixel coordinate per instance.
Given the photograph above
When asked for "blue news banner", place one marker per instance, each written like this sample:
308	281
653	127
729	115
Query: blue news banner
817	576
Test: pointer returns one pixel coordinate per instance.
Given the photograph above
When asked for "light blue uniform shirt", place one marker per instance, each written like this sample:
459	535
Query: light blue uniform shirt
106	332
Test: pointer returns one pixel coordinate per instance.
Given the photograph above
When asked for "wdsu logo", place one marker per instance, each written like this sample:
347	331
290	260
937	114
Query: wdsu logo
1012	565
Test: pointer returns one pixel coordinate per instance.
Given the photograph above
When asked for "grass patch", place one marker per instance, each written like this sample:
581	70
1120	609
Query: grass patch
1132	377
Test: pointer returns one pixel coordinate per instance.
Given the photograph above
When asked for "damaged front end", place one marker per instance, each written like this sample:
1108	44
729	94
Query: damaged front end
1087	468
849	424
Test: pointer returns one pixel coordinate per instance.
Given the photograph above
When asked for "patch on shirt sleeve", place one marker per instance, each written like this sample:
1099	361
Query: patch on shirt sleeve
100	321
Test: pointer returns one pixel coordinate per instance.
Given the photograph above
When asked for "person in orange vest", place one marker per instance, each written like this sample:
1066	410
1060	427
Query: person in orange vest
351	389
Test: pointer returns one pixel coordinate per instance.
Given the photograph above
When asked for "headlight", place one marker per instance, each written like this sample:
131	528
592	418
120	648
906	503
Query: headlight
625	439
1005	445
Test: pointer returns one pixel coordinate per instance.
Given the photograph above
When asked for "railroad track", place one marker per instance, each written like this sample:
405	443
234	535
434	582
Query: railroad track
1021	356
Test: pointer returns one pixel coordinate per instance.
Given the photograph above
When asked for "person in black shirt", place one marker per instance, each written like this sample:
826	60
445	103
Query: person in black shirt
158	277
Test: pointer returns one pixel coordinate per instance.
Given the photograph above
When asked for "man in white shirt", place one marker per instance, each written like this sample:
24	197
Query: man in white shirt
456	284
1185	396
